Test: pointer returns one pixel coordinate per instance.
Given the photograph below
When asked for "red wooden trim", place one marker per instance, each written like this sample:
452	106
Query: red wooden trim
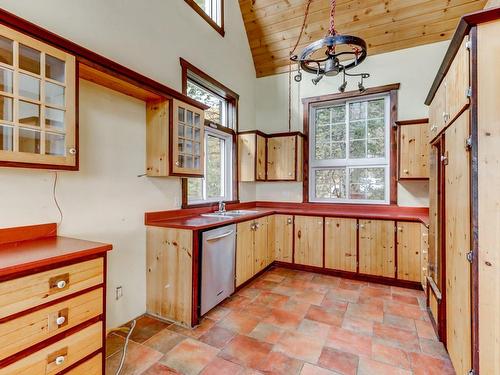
324	241
420	121
357	245
350	94
104	312
305	156
196	271
258	132
393	157
206	17
27	233
442	242
396	231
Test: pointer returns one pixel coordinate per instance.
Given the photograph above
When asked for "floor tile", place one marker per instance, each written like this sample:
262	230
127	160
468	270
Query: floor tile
164	341
246	351
338	361
350	342
264	284
399	322
375	292
370	367
190	357
330	302
277	363
351	284
196	332
300	346
309	369
239	322
220	366
139	358
267	333
406	311
328	281
114	344
296	307
217	313
217	337
145	327
348	295
159	369
423	364
314	328
236	302
401	338
271	299
390	355
402	298
425	330
257	310
273	277
249	292
309	296
284	319
358	325
365	311
433	348
328	316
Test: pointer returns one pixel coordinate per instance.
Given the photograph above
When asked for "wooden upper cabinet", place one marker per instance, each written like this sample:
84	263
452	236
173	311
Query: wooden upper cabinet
37	104
437	112
309	240
376	247
457	83
340	244
174	139
284	158
409	248
413	149
251	157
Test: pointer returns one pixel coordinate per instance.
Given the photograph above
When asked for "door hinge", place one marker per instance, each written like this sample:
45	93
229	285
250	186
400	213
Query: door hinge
468	44
468	143
471	372
444	159
468	92
470	256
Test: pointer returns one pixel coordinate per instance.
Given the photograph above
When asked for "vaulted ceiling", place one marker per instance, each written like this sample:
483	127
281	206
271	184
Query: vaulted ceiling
273	26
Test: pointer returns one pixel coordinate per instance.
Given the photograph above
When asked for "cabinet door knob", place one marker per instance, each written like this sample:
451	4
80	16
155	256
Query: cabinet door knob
60	320
289	220
72	151
61	284
59	360
406	171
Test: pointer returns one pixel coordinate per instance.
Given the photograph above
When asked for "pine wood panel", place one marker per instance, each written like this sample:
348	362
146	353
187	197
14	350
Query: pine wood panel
457	82
283	238
437	111
458	269
261	158
27	330
309	240
488	203
29	291
409	244
271	239
73	348
157	147
434	247
433	306
424	260
261	250
273	26
414	151
281	158
245	257
247	149
169	273
376	248
340	244
93	366
299	168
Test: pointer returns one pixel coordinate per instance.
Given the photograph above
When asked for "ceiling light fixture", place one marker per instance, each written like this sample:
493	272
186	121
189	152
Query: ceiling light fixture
343	52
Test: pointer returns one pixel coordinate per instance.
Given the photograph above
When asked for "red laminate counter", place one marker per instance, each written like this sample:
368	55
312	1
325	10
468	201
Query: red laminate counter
191	218
26	248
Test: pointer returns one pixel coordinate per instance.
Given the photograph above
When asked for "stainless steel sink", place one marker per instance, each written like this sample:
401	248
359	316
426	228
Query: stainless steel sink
230	214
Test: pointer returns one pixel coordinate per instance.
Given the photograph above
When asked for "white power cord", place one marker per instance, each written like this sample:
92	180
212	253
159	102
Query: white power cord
124	354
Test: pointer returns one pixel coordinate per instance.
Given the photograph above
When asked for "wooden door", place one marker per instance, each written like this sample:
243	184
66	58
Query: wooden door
424	259
261	244
283	237
260	173
309	240
376	247
281	158
409	243
271	238
458	244
247	146
340	244
435	220
437	111
245	258
457	80
414	151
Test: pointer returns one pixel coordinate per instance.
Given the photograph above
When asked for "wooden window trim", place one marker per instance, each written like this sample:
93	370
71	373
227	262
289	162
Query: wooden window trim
206	17
392	90
233	99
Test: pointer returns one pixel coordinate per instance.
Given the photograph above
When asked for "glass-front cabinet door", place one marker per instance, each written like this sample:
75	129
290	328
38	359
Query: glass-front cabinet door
37	103
187	140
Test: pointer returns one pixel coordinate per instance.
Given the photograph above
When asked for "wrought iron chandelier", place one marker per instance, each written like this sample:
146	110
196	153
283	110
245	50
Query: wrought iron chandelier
340	53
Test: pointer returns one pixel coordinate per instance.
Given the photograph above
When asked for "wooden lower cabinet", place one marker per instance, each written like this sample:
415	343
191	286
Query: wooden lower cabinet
92	366
169	273
261	246
283	238
340	244
376	248
309	240
409	243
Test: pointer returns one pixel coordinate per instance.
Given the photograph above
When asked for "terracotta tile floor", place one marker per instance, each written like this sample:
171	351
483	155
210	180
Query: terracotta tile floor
291	322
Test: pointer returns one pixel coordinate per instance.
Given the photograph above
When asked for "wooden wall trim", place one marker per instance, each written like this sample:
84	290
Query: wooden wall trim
211	22
351	94
27	233
419	121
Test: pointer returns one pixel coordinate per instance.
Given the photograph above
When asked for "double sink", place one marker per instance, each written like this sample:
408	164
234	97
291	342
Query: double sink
230	214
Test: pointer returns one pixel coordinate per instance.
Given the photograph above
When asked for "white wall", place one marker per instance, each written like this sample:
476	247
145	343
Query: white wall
415	68
105	200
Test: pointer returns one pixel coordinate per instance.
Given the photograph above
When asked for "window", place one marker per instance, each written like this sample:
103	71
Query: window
219	182
349	148
212	11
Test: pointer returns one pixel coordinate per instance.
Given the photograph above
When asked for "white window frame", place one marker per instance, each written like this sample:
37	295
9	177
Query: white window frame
226	165
347	163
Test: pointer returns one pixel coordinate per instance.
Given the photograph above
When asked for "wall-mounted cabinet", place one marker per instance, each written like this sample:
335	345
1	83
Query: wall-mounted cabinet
37	104
174	139
274	157
413	148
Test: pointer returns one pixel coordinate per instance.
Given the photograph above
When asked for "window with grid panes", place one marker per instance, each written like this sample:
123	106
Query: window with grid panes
349	151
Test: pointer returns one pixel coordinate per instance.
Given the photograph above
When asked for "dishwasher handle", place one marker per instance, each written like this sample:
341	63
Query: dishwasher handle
220	236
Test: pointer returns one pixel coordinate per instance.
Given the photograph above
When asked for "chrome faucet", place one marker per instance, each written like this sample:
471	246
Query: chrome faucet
222	207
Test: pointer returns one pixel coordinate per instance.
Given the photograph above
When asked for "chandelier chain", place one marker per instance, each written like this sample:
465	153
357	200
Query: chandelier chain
333	7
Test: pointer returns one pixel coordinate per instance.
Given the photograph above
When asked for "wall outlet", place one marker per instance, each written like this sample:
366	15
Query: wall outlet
119	292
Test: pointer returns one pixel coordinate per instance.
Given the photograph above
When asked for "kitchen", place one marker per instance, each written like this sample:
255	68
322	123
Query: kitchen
150	203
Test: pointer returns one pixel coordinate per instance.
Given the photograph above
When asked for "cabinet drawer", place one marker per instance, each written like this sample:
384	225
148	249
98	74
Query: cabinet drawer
93	366
33	290
27	330
56	357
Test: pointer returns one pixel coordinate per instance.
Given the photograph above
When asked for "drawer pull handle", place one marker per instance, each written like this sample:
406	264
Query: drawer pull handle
61	284
61	320
59	360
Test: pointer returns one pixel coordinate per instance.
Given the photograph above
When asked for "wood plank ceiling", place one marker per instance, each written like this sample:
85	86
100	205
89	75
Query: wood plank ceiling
273	26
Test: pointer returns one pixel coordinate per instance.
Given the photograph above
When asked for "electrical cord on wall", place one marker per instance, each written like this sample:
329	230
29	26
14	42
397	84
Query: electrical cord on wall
124	353
54	195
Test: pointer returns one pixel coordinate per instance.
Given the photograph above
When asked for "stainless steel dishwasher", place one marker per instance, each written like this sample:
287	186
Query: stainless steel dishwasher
217	266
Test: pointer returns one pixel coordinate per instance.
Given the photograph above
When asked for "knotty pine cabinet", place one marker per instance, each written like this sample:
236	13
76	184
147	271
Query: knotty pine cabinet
174	139
284	158
283	238
309	240
341	239
409	250
413	149
376	248
251	157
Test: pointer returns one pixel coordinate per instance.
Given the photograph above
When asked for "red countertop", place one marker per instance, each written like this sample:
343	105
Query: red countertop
25	248
191	218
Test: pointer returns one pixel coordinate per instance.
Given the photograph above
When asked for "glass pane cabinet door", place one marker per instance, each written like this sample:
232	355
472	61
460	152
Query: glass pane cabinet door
187	153
37	103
